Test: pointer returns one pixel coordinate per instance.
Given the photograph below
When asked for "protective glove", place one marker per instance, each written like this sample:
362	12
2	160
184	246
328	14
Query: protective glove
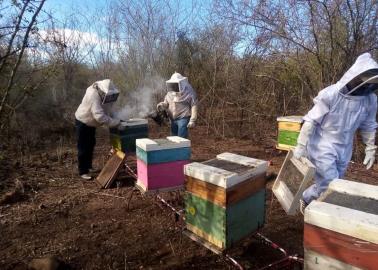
369	139
303	138
193	117
191	124
161	106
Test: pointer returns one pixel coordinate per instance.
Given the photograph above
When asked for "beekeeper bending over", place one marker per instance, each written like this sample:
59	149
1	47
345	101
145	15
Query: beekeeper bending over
94	111
181	105
339	110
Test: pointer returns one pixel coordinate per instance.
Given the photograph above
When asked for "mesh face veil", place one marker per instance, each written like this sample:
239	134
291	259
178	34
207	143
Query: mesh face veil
173	87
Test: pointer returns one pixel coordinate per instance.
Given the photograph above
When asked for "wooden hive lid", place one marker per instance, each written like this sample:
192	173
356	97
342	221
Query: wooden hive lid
134	122
226	170
347	207
290	118
170	142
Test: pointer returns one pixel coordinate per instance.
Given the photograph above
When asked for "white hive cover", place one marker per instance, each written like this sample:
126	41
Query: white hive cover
347	207
292	118
226	170
134	122
171	142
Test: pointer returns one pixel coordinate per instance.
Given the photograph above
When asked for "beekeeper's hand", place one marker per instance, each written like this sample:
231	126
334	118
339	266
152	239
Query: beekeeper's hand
161	106
191	124
300	151
303	138
369	139
193	117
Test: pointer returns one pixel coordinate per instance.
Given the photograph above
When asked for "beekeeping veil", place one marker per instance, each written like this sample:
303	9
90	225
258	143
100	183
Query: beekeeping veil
180	84
362	78
107	91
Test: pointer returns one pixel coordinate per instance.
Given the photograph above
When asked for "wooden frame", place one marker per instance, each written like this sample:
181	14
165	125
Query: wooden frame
110	171
304	170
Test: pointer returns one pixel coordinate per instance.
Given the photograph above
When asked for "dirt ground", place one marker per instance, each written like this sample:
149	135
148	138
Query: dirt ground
50	211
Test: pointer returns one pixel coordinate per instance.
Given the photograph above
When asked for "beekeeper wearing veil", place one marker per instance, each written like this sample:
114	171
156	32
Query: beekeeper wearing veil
329	127
181	104
94	111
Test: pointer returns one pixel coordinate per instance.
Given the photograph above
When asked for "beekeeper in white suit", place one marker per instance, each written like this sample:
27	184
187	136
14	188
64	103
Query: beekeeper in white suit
329	127
95	110
181	105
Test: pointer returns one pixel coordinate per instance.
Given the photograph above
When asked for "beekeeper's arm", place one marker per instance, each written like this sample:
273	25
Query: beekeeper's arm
99	114
368	131
313	118
162	106
194	112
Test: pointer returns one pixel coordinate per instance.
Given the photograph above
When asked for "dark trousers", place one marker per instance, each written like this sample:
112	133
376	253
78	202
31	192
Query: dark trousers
86	141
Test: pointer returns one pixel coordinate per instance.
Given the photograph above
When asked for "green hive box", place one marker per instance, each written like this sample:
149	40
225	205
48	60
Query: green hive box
124	140
225	199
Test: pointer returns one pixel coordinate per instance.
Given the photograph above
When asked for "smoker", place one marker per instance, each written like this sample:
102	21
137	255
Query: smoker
159	117
123	138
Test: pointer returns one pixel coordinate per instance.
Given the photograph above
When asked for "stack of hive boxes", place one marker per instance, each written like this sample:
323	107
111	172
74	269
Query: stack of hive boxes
132	129
160	163
225	199
288	131
341	228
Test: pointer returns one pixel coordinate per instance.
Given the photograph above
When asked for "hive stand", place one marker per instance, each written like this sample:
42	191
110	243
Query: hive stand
293	178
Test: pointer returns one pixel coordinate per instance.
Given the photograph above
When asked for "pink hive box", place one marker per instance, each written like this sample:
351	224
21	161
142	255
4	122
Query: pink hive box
160	163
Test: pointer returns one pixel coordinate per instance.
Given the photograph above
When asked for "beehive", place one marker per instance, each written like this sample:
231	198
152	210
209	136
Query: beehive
124	140
341	228
225	198
288	131
160	163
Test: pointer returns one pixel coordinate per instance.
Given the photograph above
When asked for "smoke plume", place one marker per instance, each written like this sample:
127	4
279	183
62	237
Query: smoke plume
143	100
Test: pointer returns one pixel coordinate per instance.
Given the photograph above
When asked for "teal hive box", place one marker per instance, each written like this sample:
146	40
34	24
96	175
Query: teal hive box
124	140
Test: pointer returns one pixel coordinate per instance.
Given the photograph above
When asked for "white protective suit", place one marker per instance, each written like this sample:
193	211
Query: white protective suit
93	111
333	121
183	103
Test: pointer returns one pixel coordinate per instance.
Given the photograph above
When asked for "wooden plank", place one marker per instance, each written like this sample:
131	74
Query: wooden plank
207	216
316	261
296	174
347	249
245	189
221	196
206	191
284	147
206	238
245	217
291	118
202	242
110	171
291	126
162	156
343	220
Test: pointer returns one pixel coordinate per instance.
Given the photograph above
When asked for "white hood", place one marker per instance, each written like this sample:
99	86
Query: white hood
106	86
363	64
